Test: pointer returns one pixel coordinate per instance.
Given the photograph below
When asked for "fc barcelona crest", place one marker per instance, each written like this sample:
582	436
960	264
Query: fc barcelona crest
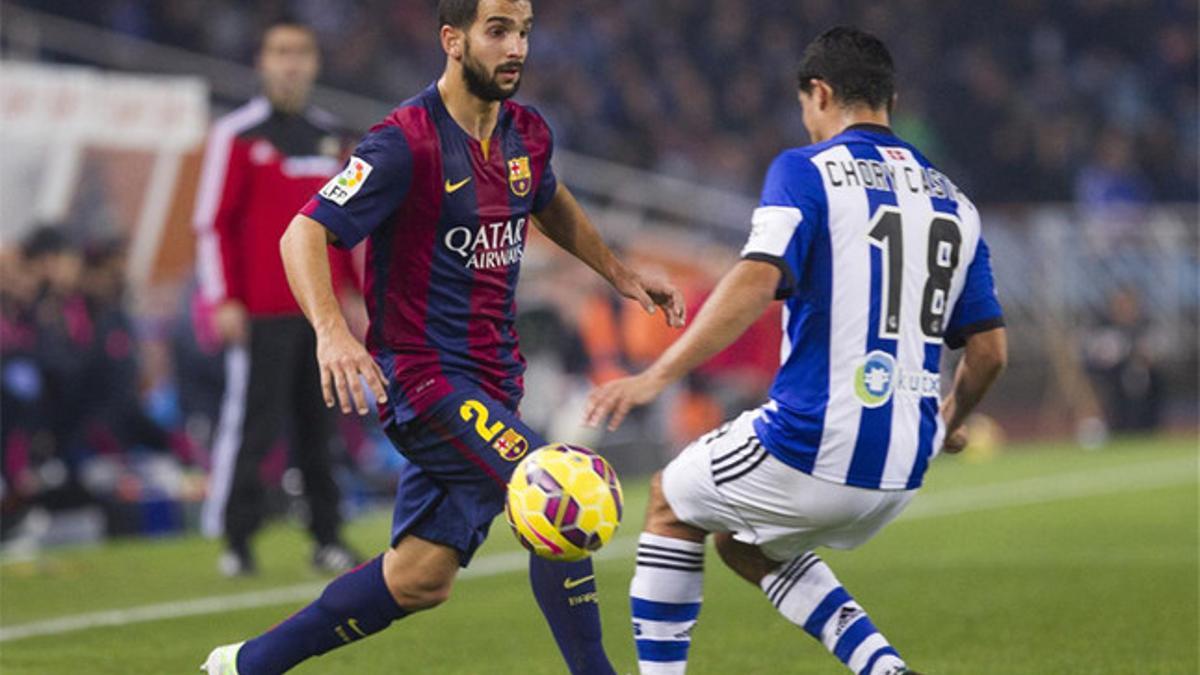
511	445
520	179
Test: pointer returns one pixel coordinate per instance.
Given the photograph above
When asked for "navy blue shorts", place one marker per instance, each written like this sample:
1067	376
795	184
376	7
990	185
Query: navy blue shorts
461	454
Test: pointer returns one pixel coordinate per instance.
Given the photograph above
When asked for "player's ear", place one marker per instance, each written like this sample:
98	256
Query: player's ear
452	42
823	94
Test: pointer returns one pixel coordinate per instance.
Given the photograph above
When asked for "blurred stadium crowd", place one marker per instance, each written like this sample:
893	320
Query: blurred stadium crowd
1023	100
73	365
109	407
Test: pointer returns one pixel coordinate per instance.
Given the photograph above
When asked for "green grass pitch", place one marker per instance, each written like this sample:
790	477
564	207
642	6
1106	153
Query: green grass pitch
1045	560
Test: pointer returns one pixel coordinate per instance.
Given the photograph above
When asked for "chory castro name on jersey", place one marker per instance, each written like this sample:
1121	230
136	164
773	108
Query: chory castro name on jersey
489	245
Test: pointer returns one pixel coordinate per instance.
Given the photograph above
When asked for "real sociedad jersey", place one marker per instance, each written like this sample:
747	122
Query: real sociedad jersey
446	219
883	263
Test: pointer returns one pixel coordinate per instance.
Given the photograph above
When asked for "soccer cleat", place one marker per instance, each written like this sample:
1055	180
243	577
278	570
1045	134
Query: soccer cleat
334	558
234	563
222	660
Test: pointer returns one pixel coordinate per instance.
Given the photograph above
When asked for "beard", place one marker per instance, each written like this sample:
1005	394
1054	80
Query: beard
484	85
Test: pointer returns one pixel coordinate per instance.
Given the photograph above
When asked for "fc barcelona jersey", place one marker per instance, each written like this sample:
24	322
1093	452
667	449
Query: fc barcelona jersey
446	218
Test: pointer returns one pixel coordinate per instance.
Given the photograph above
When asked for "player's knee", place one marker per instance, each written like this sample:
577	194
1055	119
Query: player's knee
416	593
415	587
748	561
727	549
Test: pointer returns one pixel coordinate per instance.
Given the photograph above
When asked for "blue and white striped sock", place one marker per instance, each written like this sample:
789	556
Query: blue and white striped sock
807	593
665	598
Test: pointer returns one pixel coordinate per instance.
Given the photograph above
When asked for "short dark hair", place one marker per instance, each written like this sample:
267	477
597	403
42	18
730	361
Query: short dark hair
854	63
457	13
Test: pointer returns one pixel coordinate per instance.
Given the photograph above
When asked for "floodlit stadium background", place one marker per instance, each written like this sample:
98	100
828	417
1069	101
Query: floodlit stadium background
1073	125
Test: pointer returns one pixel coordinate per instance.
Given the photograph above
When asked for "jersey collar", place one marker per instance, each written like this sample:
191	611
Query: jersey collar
872	128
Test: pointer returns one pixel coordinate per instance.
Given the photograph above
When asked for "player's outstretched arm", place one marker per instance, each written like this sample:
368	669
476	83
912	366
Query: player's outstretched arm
985	358
342	358
738	300
564	221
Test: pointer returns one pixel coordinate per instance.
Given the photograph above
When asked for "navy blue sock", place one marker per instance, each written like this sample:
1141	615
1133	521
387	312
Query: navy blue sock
566	592
352	607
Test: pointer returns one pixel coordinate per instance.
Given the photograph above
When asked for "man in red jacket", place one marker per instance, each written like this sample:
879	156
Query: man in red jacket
263	161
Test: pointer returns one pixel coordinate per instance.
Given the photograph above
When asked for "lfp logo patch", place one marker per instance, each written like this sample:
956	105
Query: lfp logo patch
346	184
875	378
520	178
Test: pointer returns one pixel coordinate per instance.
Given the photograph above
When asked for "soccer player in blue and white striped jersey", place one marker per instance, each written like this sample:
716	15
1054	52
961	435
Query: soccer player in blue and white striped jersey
880	259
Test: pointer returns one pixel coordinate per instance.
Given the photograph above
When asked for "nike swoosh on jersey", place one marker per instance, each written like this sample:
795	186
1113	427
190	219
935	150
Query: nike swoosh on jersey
570	583
451	187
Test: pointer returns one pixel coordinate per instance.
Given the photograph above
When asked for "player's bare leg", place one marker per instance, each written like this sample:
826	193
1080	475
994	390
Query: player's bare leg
662	521
748	561
414	575
808	594
665	593
419	573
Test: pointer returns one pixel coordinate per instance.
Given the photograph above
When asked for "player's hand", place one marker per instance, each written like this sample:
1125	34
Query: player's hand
618	397
955	441
651	291
231	322
344	364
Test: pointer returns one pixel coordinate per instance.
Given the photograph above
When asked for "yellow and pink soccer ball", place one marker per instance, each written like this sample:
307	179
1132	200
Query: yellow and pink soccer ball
564	502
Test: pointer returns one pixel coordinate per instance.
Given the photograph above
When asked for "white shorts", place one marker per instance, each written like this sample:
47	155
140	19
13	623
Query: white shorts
726	482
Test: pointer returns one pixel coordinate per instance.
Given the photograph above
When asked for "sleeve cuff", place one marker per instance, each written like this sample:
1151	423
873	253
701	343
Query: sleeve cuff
347	235
544	196
787	282
958	338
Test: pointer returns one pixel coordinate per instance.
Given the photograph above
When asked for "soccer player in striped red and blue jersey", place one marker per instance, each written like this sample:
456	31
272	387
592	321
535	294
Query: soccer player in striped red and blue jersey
444	191
881	262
